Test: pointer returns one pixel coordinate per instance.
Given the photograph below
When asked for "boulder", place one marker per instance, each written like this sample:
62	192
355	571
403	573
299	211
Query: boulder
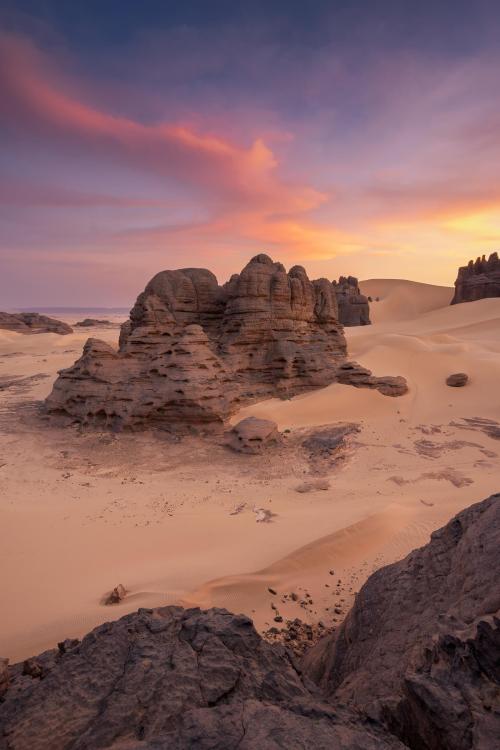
33	323
478	279
253	435
457	380
420	649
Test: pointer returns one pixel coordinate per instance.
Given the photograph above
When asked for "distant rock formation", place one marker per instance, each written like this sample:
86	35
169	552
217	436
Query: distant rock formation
354	307
415	665
420	649
478	279
90	322
33	323
194	352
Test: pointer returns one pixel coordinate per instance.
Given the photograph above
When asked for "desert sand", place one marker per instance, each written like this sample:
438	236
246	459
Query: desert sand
176	520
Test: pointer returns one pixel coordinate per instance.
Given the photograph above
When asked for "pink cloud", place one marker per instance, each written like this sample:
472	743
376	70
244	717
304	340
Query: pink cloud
37	101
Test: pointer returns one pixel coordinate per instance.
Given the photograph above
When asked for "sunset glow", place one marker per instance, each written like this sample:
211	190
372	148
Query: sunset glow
357	147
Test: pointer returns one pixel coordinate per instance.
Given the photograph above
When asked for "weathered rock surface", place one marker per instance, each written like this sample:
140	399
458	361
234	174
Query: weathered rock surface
420	649
90	322
32	323
253	435
478	279
457	380
354	307
174	679
194	352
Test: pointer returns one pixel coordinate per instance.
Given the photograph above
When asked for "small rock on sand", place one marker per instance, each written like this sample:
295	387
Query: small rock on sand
116	596
457	380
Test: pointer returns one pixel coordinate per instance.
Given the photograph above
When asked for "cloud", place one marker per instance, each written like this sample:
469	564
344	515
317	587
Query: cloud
37	102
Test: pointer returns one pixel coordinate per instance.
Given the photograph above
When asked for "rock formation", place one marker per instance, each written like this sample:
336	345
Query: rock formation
354	308
90	322
420	649
32	323
416	664
253	435
478	279
174	679
194	352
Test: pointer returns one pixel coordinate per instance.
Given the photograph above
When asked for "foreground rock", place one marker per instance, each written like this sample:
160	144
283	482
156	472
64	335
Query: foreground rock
477	280
354	307
457	380
173	679
33	323
253	435
194	352
420	650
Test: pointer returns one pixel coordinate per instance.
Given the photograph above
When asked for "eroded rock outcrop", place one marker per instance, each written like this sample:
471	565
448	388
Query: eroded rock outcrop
354	307
173	679
478	279
32	323
420	649
194	352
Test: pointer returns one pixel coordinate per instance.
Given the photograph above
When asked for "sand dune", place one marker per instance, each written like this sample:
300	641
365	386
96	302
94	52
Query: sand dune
176	522
399	299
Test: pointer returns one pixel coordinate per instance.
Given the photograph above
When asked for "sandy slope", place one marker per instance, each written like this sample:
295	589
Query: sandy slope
400	300
82	512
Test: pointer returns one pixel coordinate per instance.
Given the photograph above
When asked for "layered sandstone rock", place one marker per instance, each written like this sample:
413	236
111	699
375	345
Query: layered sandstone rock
32	323
194	352
478	279
354	307
420	649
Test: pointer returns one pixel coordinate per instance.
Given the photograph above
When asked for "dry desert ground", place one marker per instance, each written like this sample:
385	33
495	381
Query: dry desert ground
180	520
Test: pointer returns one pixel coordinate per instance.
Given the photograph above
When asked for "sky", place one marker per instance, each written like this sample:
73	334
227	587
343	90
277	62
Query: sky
353	137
